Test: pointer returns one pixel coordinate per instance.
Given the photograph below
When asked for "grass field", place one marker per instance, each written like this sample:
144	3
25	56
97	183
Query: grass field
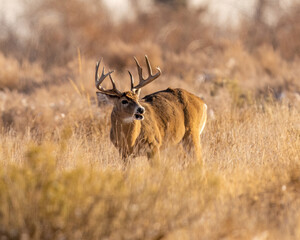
61	177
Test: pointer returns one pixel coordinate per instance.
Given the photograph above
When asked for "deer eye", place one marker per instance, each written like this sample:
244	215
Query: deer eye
124	102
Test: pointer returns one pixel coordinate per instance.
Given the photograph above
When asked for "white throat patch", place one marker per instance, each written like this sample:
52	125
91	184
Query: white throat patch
128	120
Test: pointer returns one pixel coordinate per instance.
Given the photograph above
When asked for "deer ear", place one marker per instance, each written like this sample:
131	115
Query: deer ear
106	98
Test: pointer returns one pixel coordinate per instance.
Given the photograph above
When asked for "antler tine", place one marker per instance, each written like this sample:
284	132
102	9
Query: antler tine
131	81
140	70
98	81
148	65
96	74
113	84
143	82
150	69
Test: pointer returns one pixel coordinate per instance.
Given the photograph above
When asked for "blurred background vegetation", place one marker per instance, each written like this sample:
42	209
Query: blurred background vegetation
231	58
188	42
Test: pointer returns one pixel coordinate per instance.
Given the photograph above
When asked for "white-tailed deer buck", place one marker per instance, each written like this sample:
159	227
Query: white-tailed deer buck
145	126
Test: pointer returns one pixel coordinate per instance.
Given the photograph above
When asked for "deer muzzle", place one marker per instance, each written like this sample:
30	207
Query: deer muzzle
139	113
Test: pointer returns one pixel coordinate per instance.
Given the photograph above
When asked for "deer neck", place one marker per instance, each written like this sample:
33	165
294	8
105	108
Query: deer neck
125	130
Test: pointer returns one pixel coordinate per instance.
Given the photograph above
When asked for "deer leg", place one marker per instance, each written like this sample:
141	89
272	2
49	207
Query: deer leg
154	156
192	146
125	156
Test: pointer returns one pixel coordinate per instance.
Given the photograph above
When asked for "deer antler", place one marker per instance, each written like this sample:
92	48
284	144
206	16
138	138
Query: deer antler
114	91
143	82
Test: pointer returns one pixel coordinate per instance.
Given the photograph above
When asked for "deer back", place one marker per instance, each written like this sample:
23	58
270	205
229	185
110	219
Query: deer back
170	114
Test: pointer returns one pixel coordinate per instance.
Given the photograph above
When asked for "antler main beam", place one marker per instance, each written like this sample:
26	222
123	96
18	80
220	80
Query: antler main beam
143	82
98	81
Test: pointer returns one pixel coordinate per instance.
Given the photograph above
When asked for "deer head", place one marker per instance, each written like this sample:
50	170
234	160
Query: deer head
126	104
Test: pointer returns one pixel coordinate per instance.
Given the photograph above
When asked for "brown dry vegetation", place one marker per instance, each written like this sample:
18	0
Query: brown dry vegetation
61	178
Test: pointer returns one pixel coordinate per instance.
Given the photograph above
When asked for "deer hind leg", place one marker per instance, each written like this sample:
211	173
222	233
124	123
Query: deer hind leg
192	146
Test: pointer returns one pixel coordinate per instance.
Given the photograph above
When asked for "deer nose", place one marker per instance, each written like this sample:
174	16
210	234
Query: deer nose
140	110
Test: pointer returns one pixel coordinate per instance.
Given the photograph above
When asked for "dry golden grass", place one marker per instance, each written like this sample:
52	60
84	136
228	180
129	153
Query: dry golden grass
72	183
60	176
